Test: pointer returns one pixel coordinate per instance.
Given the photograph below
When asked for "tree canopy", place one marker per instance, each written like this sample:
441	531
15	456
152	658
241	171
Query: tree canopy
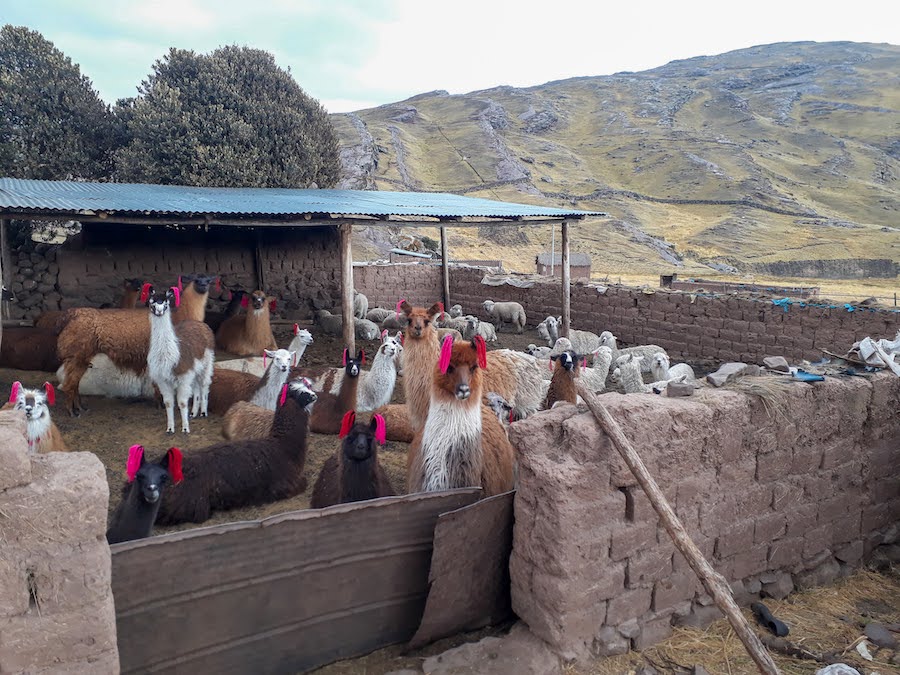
53	124
231	118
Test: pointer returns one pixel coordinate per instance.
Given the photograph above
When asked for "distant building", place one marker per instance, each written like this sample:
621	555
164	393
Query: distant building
579	265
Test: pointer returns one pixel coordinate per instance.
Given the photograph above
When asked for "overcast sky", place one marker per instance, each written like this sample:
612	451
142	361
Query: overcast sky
353	54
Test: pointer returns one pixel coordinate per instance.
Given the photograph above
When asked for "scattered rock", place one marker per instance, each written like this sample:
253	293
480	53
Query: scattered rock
880	635
608	642
630	629
674	389
517	653
819	576
778	363
780	588
837	669
727	371
699	670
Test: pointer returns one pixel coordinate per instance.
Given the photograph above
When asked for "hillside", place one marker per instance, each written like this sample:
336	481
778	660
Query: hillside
784	152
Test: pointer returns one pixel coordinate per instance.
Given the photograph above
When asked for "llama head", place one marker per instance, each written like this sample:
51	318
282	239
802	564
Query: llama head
359	438
660	361
602	355
257	300
302	335
607	339
199	282
420	319
561	345
458	373
456	311
352	365
133	285
301	391
35	403
568	359
501	407
161	302
281	359
152	477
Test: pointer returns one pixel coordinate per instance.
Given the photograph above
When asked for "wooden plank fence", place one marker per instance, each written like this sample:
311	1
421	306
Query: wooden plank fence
280	595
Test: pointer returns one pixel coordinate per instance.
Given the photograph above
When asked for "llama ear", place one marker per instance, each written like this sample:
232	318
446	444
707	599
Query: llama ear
180	284
347	423
245	300
379	429
446	353
135	461
296	329
283	397
344	359
481	350
273	305
218	284
14	394
361	356
265	354
436	308
51	393
176	292
403	306
384	335
146	290
173	464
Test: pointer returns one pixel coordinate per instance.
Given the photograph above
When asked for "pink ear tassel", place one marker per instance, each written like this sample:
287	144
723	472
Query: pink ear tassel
245	301
177	292
51	393
180	285
398	310
145	292
14	394
296	329
584	362
380	430
446	353
294	359
283	396
550	364
135	453
264	359
481	351
344	361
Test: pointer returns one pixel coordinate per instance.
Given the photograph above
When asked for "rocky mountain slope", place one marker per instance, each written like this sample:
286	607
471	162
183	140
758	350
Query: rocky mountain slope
782	152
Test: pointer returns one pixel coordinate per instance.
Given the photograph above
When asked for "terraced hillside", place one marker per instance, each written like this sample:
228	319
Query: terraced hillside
782	152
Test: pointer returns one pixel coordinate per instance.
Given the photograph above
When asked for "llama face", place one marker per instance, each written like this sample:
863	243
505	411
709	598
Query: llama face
133	284
301	391
161	301
568	360
359	444
257	300
660	361
281	359
303	335
352	365
202	283
151	479
33	402
607	339
500	406
420	320
462	380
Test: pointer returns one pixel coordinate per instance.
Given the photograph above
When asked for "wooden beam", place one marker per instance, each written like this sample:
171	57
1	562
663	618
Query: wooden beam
346	230
258	261
566	282
712	581
445	268
3	270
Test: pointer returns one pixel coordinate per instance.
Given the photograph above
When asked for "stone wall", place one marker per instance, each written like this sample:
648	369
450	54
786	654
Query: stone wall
797	497
301	266
56	604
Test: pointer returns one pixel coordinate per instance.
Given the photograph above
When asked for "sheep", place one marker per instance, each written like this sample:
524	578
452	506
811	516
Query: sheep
180	359
505	312
607	339
249	334
661	370
360	305
365	329
396	417
25	348
456	312
353	474
538	352
141	496
628	374
548	329
245	473
334	325
122	334
378	314
475	326
41	432
562	384
452	332
461	444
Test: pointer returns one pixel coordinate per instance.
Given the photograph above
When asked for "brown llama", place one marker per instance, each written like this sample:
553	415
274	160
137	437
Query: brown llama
562	384
250	333
353	474
462	443
396	418
329	412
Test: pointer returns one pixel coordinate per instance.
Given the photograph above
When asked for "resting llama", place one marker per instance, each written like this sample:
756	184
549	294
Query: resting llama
462	443
40	431
142	494
250	333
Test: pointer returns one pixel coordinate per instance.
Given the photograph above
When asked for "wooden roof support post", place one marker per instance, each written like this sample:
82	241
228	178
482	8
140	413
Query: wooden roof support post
566	282
4	270
258	260
346	230
445	268
713	582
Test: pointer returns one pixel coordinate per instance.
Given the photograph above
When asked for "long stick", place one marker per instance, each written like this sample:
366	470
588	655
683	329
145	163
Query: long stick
712	581
349	326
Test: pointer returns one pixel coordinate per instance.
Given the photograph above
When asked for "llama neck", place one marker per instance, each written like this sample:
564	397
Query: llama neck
347	392
269	389
379	382
452	454
256	325
135	516
193	304
291	424
299	346
129	299
36	430
165	351
659	372
358	480
419	357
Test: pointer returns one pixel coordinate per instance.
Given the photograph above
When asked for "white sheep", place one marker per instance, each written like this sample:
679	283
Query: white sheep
506	312
475	326
365	329
647	352
456	312
538	352
378	314
360	305
548	329
330	323
661	370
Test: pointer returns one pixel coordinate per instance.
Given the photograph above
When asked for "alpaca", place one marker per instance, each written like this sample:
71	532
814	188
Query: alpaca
248	334
215	319
136	512
462	444
353	474
180	359
628	374
594	378
245	473
40	431
661	370
548	329
647	352
562	384
502	408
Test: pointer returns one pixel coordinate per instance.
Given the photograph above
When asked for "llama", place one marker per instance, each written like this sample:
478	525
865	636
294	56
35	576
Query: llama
396	420
628	374
194	297
229	387
505	312
461	444
249	334
104	378
215	319
661	370
594	378
646	352
330	411
502	408
40	431
354	473
255	365
422	350
141	496
562	384
131	293
27	348
245	420
180	359
245	473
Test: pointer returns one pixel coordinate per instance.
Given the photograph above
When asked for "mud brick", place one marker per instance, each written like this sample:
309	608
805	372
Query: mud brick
839	453
670	591
851	553
631	538
750	561
784	553
835	507
801	519
769	527
629	605
806	459
773	465
884	490
847	528
653	632
648	566
734	539
817	540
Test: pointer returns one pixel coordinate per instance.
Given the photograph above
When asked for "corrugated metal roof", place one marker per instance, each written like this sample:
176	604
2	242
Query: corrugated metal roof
144	199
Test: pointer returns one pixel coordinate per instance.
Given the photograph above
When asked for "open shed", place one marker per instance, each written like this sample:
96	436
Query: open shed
256	226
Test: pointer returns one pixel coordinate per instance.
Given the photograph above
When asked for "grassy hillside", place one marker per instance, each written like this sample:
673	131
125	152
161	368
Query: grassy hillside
780	152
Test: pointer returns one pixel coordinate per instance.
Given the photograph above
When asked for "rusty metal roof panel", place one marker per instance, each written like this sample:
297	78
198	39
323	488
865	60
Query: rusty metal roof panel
144	199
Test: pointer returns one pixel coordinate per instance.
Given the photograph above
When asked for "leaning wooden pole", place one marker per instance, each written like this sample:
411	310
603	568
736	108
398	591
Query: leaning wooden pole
349	327
566	282
445	268
712	581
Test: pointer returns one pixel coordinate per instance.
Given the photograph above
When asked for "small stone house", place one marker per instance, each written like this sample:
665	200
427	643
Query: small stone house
579	263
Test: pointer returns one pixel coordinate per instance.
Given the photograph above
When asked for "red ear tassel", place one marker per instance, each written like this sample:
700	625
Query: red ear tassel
218	284
180	285
344	361
481	349
380	430
347	423
264	359
174	456
584	362
511	417
135	452
51	393
177	292
296	329
245	300
14	394
145	292
441	311
273	306
446	353
283	396
364	357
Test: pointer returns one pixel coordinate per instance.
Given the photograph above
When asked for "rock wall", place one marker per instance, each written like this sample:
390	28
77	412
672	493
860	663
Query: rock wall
56	604
849	268
794	498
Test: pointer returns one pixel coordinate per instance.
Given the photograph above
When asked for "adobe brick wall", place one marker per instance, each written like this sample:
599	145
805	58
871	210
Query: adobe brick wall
793	499
56	604
384	285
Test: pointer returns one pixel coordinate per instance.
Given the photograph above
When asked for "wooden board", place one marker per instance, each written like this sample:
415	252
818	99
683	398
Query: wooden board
280	595
469	574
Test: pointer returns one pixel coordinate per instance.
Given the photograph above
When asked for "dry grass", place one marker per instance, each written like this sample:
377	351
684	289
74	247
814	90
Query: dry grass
772	390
